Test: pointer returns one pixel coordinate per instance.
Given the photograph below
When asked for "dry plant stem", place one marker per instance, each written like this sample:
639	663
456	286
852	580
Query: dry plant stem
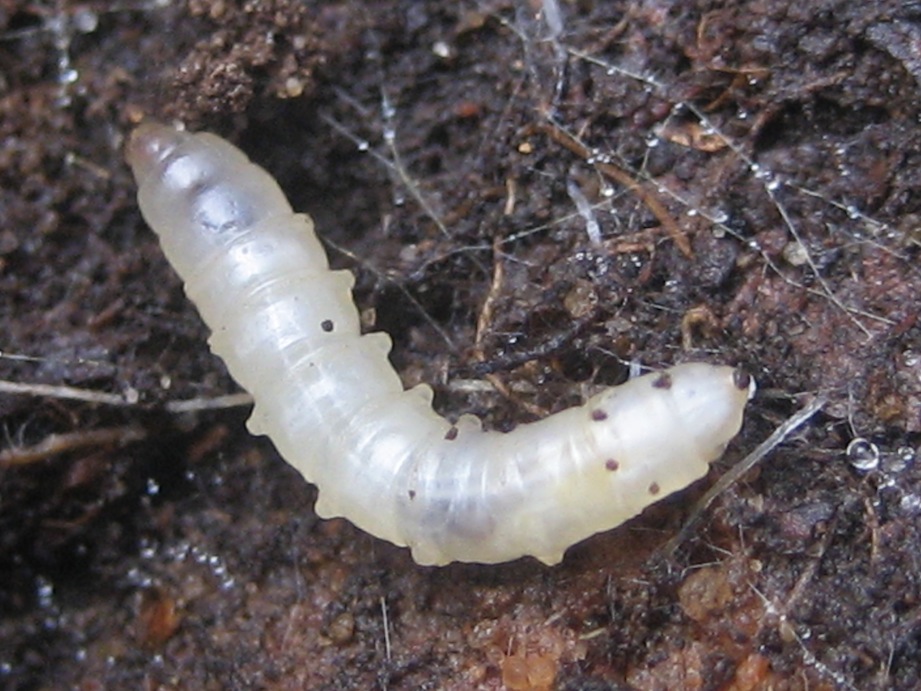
55	444
71	393
63	392
567	140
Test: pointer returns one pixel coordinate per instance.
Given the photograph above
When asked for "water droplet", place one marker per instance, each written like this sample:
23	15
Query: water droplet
68	76
85	21
899	461
910	504
862	454
44	591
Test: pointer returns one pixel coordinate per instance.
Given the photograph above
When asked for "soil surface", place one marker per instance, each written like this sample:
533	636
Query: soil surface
533	196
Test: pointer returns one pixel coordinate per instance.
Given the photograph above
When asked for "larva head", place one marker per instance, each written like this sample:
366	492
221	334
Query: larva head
710	400
669	426
198	192
658	433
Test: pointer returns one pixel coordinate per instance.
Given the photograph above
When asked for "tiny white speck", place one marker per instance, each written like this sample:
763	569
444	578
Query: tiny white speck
442	49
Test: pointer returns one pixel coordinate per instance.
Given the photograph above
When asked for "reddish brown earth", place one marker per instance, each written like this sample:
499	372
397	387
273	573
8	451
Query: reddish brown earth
755	170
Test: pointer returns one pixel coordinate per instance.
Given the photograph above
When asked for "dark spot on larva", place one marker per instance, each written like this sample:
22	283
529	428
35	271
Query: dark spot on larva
611	465
451	434
412	494
663	381
599	415
327	325
741	379
654	488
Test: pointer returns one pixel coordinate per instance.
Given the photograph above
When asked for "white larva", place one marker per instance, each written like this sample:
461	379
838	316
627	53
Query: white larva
288	330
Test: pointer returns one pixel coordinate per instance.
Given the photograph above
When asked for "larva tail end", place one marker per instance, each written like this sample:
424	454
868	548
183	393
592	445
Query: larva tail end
149	144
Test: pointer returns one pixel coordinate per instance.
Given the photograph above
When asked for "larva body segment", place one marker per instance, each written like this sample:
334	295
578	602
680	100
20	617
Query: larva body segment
288	330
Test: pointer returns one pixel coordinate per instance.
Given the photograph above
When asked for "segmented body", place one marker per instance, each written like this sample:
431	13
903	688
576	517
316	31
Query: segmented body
288	330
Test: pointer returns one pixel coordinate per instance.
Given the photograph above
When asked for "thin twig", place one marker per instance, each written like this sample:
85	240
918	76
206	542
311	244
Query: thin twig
55	444
65	392
732	476
191	405
387	649
71	393
770	182
483	326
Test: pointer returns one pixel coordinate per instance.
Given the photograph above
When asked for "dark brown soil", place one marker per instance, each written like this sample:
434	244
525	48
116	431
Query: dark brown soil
754	168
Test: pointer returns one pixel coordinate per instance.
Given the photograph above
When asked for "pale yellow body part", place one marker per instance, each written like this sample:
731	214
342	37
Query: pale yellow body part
288	330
